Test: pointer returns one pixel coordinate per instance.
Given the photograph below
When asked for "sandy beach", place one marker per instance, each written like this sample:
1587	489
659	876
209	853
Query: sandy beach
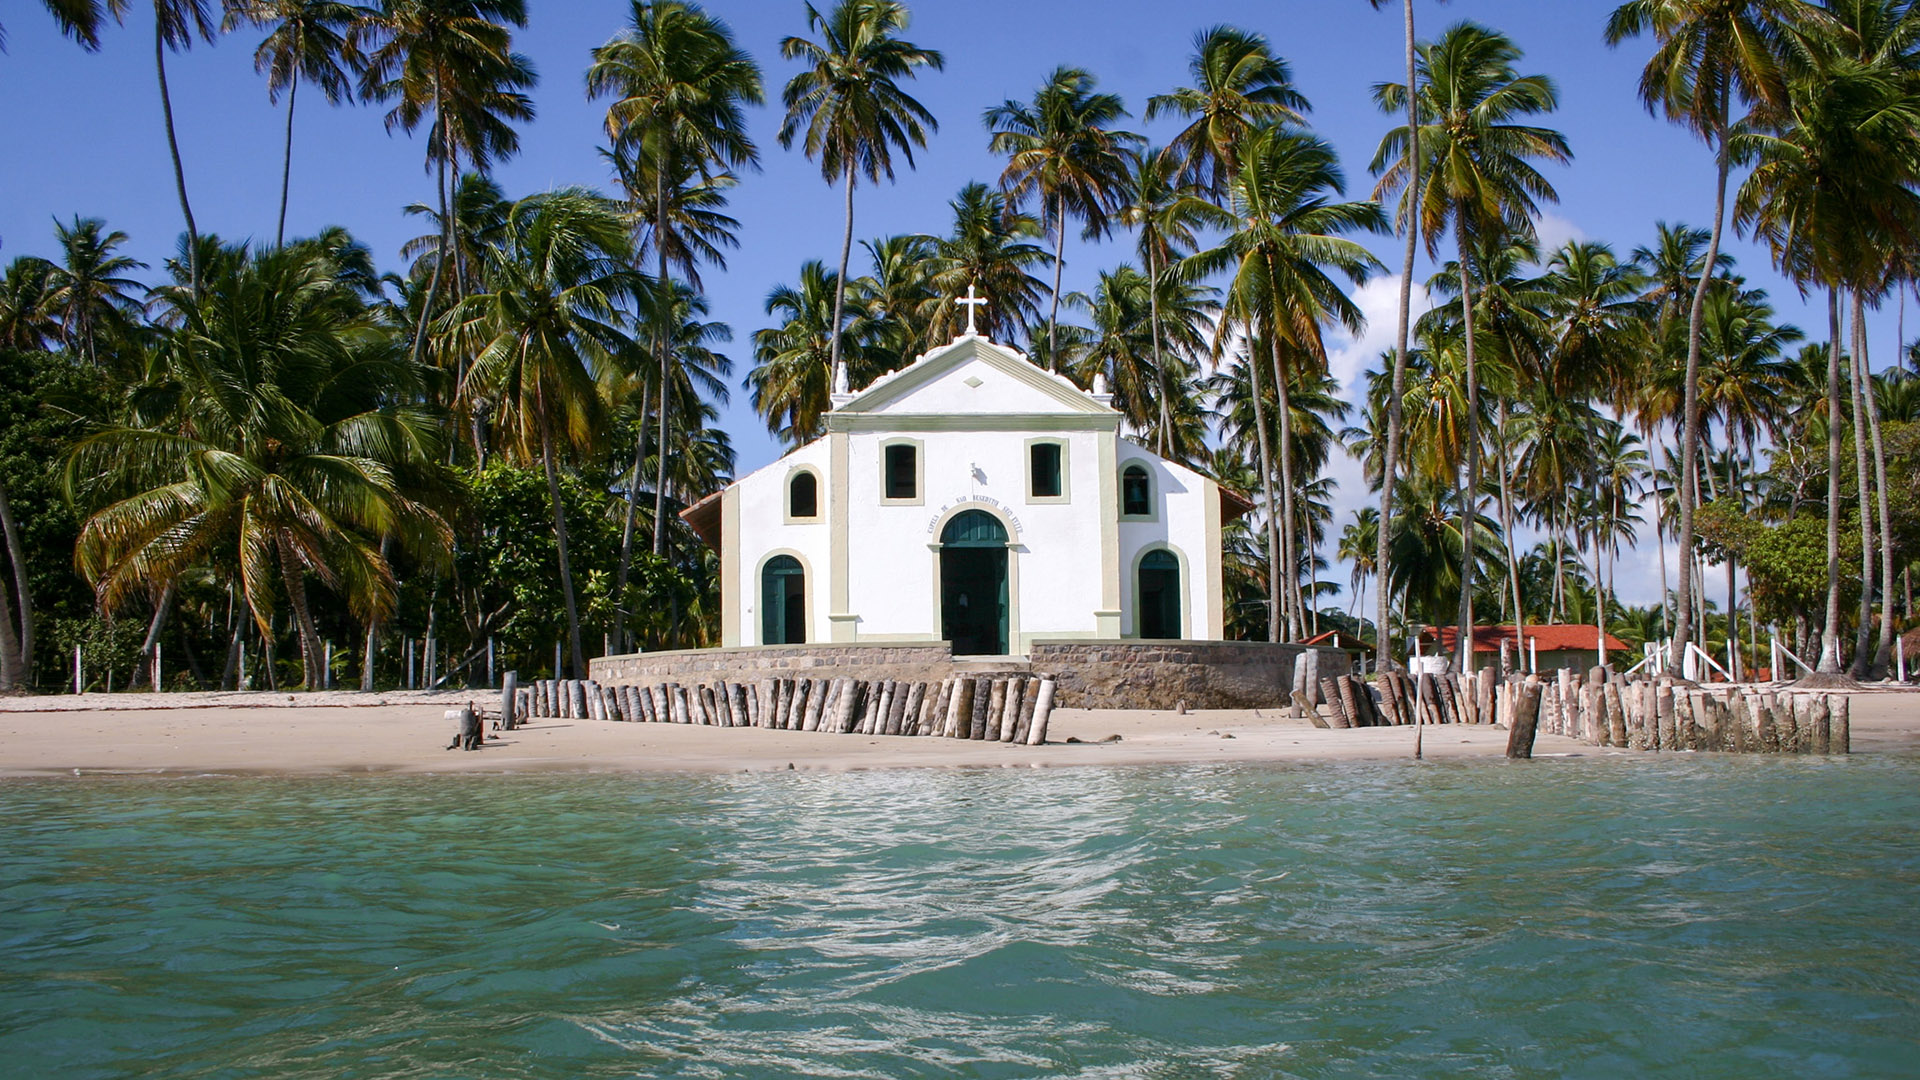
408	733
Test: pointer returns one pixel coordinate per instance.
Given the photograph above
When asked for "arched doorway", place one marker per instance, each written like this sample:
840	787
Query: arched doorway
973	584
1158	597
783	602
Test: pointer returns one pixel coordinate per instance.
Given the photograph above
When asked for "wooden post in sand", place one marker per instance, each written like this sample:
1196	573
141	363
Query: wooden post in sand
959	709
1349	700
1526	719
982	698
1042	709
1821	723
1663	716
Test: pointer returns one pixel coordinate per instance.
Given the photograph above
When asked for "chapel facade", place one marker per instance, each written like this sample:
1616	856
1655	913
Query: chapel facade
970	497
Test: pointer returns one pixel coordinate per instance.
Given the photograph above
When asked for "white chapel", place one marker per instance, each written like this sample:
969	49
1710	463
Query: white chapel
973	498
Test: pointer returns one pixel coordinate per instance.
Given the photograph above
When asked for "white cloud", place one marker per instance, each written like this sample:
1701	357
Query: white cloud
1555	231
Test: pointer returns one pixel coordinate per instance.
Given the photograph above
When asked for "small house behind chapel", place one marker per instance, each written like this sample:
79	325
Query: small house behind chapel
970	497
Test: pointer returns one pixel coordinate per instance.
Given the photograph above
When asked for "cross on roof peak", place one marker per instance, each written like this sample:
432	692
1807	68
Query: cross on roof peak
973	304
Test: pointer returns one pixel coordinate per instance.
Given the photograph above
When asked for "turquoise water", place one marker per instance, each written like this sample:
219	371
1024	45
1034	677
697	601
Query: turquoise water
1662	917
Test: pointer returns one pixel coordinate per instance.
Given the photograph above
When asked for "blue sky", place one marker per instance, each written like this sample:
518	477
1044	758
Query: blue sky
83	136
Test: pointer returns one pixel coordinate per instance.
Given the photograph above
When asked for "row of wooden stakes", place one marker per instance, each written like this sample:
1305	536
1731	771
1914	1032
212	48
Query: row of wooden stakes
1401	699
1660	714
995	708
1633	714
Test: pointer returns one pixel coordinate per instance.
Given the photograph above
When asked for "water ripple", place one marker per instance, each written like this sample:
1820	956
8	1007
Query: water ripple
1686	917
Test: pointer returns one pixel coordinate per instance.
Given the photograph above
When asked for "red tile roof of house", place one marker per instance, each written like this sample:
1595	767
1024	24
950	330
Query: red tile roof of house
1339	639
1546	638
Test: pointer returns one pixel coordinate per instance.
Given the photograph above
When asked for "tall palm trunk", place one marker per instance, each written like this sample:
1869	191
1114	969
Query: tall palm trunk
836	372
560	538
173	147
11	678
373	630
626	534
1883	656
23	596
1289	554
1274	613
286	167
1690	414
1863	630
1470	494
1506	530
1389	473
159	621
1830	632
661	343
1059	264
1165	441
446	231
293	576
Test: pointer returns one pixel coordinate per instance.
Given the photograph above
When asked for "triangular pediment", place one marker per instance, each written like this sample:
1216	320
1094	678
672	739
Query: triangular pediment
972	375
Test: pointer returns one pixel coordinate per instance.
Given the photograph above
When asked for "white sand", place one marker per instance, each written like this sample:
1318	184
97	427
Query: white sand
407	733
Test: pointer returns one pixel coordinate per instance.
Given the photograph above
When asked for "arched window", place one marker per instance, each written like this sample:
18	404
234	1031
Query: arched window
783	602
803	496
1158	598
1136	492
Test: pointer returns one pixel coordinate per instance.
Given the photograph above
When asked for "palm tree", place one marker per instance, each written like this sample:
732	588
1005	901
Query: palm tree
1359	543
1831	193
558	282
855	114
1164	214
1409	225
896	304
309	41
175	24
697	373
679	83
1064	156
1708	53
27	321
452	60
1145	361
79	19
793	361
1886	36
281	449
988	250
88	291
1288	240
1239	87
1479	177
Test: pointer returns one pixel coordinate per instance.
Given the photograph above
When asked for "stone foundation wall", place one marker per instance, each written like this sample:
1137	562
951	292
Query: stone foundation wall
907	662
1161	674
1116	674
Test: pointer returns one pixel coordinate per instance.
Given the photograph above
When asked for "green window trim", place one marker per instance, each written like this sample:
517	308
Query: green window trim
1137	492
791	499
903	461
1037	449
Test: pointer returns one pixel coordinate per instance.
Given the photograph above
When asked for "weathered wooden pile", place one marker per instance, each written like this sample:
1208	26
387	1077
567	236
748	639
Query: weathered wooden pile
996	708
1600	710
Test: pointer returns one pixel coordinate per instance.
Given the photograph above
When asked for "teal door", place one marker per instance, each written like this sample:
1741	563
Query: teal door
1158	597
783	602
973	584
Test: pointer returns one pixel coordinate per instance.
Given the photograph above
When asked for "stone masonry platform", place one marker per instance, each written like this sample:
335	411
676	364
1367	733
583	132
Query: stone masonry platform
1092	674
